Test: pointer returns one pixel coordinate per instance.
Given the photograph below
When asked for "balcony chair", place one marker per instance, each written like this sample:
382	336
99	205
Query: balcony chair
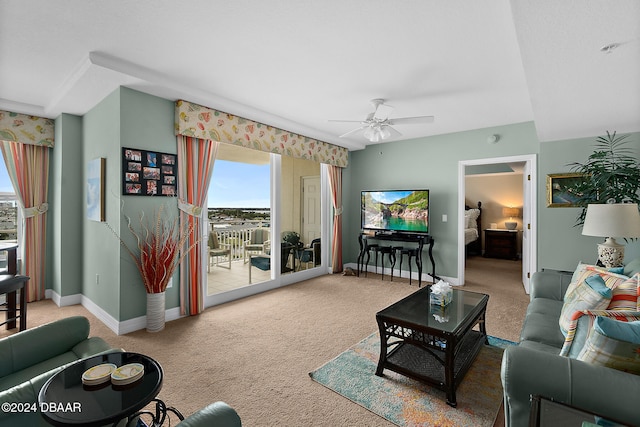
263	261
310	254
217	249
258	243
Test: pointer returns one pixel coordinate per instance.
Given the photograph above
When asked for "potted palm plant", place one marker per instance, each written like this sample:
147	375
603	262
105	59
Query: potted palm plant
611	173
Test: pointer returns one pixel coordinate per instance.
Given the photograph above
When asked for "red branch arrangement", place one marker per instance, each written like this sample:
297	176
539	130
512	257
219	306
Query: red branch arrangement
158	249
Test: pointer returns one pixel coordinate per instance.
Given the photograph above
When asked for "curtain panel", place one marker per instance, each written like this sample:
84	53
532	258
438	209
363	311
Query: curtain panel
25	141
206	123
335	184
195	165
28	168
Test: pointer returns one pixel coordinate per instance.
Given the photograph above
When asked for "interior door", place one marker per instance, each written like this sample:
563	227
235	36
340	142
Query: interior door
526	225
311	225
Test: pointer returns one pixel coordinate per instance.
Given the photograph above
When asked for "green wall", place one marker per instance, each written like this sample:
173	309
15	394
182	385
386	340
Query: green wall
560	244
64	245
126	118
433	163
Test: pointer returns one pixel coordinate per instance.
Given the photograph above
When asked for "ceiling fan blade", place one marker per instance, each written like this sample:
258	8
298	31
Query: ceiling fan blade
353	131
411	120
393	131
345	121
383	112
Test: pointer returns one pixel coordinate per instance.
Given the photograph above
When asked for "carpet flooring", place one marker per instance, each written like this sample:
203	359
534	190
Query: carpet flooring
256	353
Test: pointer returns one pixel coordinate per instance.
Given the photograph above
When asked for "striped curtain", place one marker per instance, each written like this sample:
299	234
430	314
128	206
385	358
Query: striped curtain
195	166
28	167
335	184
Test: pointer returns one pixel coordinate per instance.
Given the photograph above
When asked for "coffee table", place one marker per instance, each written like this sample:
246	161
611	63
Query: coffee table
432	344
65	401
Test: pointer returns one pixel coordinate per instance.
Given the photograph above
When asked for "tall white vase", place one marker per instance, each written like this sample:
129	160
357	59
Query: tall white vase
155	312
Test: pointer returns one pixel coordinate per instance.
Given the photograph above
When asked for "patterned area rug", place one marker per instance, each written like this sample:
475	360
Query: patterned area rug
406	402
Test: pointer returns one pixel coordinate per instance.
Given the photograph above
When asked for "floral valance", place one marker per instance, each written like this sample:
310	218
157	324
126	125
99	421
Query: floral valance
206	123
31	130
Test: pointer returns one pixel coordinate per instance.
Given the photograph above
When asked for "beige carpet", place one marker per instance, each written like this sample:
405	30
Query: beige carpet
256	353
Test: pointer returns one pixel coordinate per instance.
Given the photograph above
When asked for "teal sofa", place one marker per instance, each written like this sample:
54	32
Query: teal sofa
29	358
535	367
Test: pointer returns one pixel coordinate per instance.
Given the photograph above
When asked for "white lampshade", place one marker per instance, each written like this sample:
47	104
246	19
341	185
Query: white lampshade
612	220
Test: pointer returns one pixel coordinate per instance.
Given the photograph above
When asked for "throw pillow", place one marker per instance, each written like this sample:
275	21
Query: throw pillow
632	268
582	324
626	296
591	293
613	344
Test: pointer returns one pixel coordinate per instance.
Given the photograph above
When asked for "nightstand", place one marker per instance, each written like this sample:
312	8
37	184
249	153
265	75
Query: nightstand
501	243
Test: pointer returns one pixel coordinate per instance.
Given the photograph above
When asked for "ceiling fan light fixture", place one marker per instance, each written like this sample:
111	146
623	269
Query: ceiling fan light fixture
369	133
384	133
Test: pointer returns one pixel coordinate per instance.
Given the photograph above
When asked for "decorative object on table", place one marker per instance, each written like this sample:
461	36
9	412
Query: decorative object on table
95	189
561	189
98	374
511	212
148	173
291	237
157	254
407	402
611	220
440	294
612	171
127	374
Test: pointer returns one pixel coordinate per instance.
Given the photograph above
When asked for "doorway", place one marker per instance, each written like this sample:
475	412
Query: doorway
529	245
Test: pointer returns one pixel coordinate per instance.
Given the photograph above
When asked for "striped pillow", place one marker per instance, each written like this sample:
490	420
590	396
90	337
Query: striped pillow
589	294
568	349
626	296
604	347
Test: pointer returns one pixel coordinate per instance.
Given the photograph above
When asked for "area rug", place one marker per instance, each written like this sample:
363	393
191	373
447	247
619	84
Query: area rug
406	402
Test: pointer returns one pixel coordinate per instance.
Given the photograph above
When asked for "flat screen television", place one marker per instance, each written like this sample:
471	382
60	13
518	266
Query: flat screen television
403	211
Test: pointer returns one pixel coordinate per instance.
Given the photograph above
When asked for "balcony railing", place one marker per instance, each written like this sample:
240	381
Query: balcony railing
235	234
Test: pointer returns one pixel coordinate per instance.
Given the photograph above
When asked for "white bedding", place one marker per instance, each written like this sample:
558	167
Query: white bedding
470	235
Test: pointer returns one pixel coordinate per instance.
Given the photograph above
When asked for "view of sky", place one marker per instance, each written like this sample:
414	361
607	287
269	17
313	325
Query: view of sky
239	185
5	182
233	185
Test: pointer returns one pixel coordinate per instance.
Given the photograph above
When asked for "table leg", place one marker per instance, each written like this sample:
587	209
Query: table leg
449	376
23	308
11	309
383	349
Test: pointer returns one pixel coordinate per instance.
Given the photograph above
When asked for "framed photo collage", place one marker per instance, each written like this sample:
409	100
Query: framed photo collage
148	173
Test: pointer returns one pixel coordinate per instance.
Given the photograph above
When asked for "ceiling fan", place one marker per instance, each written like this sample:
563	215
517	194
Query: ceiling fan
378	126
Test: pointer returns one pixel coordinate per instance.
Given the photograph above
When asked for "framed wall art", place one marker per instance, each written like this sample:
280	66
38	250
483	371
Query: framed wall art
561	191
148	173
95	189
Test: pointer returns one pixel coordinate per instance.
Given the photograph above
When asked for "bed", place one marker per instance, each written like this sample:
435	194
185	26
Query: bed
472	231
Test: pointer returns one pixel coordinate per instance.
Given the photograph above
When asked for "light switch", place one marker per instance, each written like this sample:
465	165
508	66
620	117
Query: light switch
444	218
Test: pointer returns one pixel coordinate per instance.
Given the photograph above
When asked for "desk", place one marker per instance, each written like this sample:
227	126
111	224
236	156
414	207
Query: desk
103	404
419	239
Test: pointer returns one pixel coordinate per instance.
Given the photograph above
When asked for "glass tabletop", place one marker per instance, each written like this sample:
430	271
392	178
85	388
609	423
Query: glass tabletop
65	400
416	309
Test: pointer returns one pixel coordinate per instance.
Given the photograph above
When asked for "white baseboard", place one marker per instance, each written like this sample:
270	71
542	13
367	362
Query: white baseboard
118	327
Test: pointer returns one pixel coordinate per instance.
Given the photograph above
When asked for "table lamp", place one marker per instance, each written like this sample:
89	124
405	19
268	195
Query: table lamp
611	220
510	212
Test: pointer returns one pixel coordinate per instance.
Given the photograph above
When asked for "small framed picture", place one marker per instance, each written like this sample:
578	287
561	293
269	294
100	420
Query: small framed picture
148	173
561	189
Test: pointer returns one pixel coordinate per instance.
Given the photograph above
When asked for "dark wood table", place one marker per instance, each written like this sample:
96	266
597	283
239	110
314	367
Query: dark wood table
73	403
11	287
549	413
430	343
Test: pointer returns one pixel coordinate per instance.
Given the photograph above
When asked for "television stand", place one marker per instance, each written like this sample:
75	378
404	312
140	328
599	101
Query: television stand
420	240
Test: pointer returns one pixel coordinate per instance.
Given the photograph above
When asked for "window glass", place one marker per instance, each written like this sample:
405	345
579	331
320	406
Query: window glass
239	214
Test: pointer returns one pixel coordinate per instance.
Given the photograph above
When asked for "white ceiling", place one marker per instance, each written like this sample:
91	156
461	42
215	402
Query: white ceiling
297	64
